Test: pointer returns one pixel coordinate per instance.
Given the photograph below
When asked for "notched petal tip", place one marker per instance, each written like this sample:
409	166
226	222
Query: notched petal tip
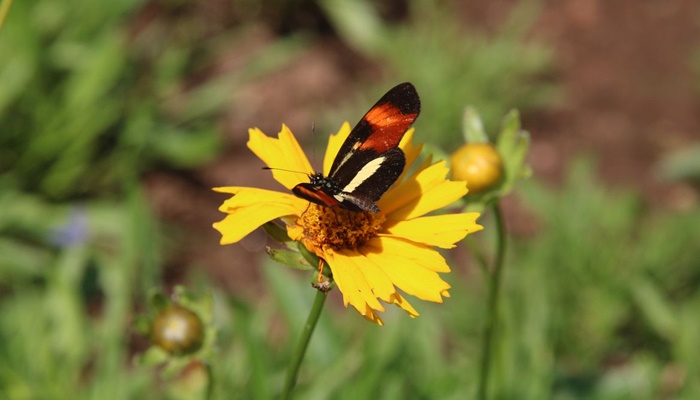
282	152
402	303
227	189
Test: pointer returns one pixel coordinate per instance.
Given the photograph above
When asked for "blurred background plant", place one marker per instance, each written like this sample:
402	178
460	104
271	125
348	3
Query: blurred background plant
493	74
93	95
116	117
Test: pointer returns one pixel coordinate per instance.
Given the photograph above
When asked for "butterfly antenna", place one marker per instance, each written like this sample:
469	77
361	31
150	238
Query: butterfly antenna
285	170
313	141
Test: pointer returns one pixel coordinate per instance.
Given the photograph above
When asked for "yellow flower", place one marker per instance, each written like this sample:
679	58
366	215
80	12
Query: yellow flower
371	256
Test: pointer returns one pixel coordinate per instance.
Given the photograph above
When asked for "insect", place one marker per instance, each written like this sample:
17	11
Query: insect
369	161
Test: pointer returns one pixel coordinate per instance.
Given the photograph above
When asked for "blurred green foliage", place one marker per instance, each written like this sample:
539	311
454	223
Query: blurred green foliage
65	311
450	64
91	98
84	106
603	297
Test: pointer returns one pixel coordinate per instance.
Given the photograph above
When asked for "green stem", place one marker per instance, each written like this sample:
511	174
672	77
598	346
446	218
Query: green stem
476	252
494	287
298	356
210	381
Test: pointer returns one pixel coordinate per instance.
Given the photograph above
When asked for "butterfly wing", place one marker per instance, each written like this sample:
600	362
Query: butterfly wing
365	186
370	180
315	195
380	130
369	161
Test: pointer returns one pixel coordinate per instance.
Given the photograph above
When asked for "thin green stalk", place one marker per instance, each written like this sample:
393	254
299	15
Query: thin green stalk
476	252
210	381
4	10
298	356
494	287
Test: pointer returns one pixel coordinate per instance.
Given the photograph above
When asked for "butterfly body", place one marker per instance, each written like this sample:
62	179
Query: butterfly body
369	161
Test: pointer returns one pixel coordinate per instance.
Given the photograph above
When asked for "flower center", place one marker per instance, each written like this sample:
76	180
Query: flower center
336	228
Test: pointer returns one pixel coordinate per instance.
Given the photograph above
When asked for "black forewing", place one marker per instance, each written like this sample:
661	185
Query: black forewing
402	98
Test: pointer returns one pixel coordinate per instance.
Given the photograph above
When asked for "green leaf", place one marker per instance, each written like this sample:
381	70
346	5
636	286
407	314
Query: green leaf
175	366
142	324
293	259
311	258
513	145
157	300
357	22
276	232
657	310
511	123
473	127
152	357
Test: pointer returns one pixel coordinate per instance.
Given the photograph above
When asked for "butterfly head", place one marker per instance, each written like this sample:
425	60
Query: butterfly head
319	181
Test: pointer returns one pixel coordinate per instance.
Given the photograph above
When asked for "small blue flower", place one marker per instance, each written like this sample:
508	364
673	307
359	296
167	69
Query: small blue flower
73	232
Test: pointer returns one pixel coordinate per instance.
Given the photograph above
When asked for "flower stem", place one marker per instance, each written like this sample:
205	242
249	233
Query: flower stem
298	356
478	254
210	381
494	285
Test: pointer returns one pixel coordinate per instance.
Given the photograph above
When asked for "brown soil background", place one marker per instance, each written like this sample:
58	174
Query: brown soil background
630	94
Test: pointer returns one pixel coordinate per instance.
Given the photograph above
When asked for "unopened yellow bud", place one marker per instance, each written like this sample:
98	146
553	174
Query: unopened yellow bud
479	164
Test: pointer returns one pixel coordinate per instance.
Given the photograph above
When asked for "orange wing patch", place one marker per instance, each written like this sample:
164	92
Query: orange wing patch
388	126
316	196
382	114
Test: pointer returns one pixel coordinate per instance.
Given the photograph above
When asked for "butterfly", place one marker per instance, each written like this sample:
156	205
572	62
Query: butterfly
369	161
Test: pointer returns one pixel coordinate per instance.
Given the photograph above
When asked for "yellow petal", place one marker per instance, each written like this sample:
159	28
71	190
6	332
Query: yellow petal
410	150
404	304
334	144
372	316
415	253
295	232
422	193
284	153
250	208
246	196
229	189
409	276
240	223
381	286
346	265
438	230
378	280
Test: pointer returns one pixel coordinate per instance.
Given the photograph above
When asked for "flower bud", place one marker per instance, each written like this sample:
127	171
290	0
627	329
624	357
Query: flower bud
479	164
177	330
